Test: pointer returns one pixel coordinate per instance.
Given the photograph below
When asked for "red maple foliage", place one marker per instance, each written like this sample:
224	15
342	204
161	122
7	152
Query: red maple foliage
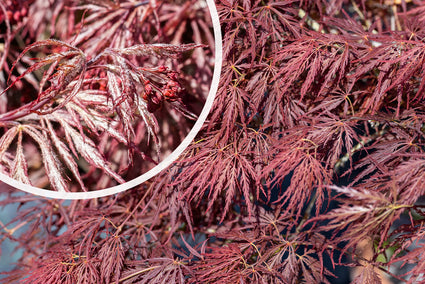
314	145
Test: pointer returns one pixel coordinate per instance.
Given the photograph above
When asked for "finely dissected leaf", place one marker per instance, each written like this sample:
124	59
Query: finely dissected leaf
19	170
366	213
298	158
123	102
337	136
149	119
51	164
51	58
279	19
409	176
53	268
382	160
338	99
87	271
258	253
159	270
223	264
311	268
65	154
230	174
97	121
7	138
41	63
158	49
230	106
65	72
87	150
112	252
398	60
320	56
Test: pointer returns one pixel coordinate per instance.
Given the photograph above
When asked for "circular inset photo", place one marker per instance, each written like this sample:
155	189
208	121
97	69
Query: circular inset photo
105	95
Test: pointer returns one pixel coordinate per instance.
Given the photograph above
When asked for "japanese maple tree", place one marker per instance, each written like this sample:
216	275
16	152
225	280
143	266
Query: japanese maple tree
312	157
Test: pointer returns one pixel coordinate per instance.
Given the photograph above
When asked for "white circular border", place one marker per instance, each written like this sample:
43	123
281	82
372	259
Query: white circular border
169	159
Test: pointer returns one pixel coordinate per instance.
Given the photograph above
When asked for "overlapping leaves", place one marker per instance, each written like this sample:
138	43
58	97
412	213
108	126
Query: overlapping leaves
69	104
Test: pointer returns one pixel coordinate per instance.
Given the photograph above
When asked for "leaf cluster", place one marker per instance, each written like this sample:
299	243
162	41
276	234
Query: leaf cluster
313	151
109	92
